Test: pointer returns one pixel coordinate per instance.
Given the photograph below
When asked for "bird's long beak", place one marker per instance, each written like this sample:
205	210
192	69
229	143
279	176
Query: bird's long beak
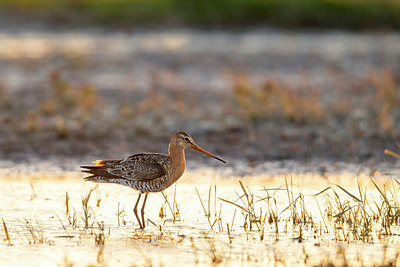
196	147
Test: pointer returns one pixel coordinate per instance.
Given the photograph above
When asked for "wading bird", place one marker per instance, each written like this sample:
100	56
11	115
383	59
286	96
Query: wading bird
147	172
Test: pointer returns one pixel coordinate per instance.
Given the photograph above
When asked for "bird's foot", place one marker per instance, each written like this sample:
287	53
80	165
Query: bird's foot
141	228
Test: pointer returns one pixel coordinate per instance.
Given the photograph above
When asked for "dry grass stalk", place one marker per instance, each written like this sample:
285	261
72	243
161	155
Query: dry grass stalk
86	208
8	239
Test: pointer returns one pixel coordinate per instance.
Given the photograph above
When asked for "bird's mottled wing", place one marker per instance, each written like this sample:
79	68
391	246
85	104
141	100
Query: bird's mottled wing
139	167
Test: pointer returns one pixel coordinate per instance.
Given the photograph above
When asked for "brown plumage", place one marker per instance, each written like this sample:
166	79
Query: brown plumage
147	172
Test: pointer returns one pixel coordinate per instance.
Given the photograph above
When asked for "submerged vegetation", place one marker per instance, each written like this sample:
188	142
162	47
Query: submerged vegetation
324	228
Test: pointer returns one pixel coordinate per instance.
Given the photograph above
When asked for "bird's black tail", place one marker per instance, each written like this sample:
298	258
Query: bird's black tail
99	172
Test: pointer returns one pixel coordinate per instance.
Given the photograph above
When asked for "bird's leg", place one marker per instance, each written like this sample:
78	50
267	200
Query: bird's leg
135	211
142	211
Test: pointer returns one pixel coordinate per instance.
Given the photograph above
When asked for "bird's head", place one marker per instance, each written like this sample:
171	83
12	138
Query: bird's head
184	140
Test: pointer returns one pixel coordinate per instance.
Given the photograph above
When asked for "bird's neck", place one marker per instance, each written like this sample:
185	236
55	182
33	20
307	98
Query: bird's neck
177	155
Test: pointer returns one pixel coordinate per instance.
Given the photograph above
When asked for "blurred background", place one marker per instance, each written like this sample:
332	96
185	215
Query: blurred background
254	80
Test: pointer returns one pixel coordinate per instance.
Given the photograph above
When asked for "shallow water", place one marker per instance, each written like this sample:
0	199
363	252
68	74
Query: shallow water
33	207
198	59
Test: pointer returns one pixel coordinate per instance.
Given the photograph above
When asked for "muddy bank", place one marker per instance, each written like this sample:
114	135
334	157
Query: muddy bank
254	95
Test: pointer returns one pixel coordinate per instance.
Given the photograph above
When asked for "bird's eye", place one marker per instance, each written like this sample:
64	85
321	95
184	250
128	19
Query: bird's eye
186	139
